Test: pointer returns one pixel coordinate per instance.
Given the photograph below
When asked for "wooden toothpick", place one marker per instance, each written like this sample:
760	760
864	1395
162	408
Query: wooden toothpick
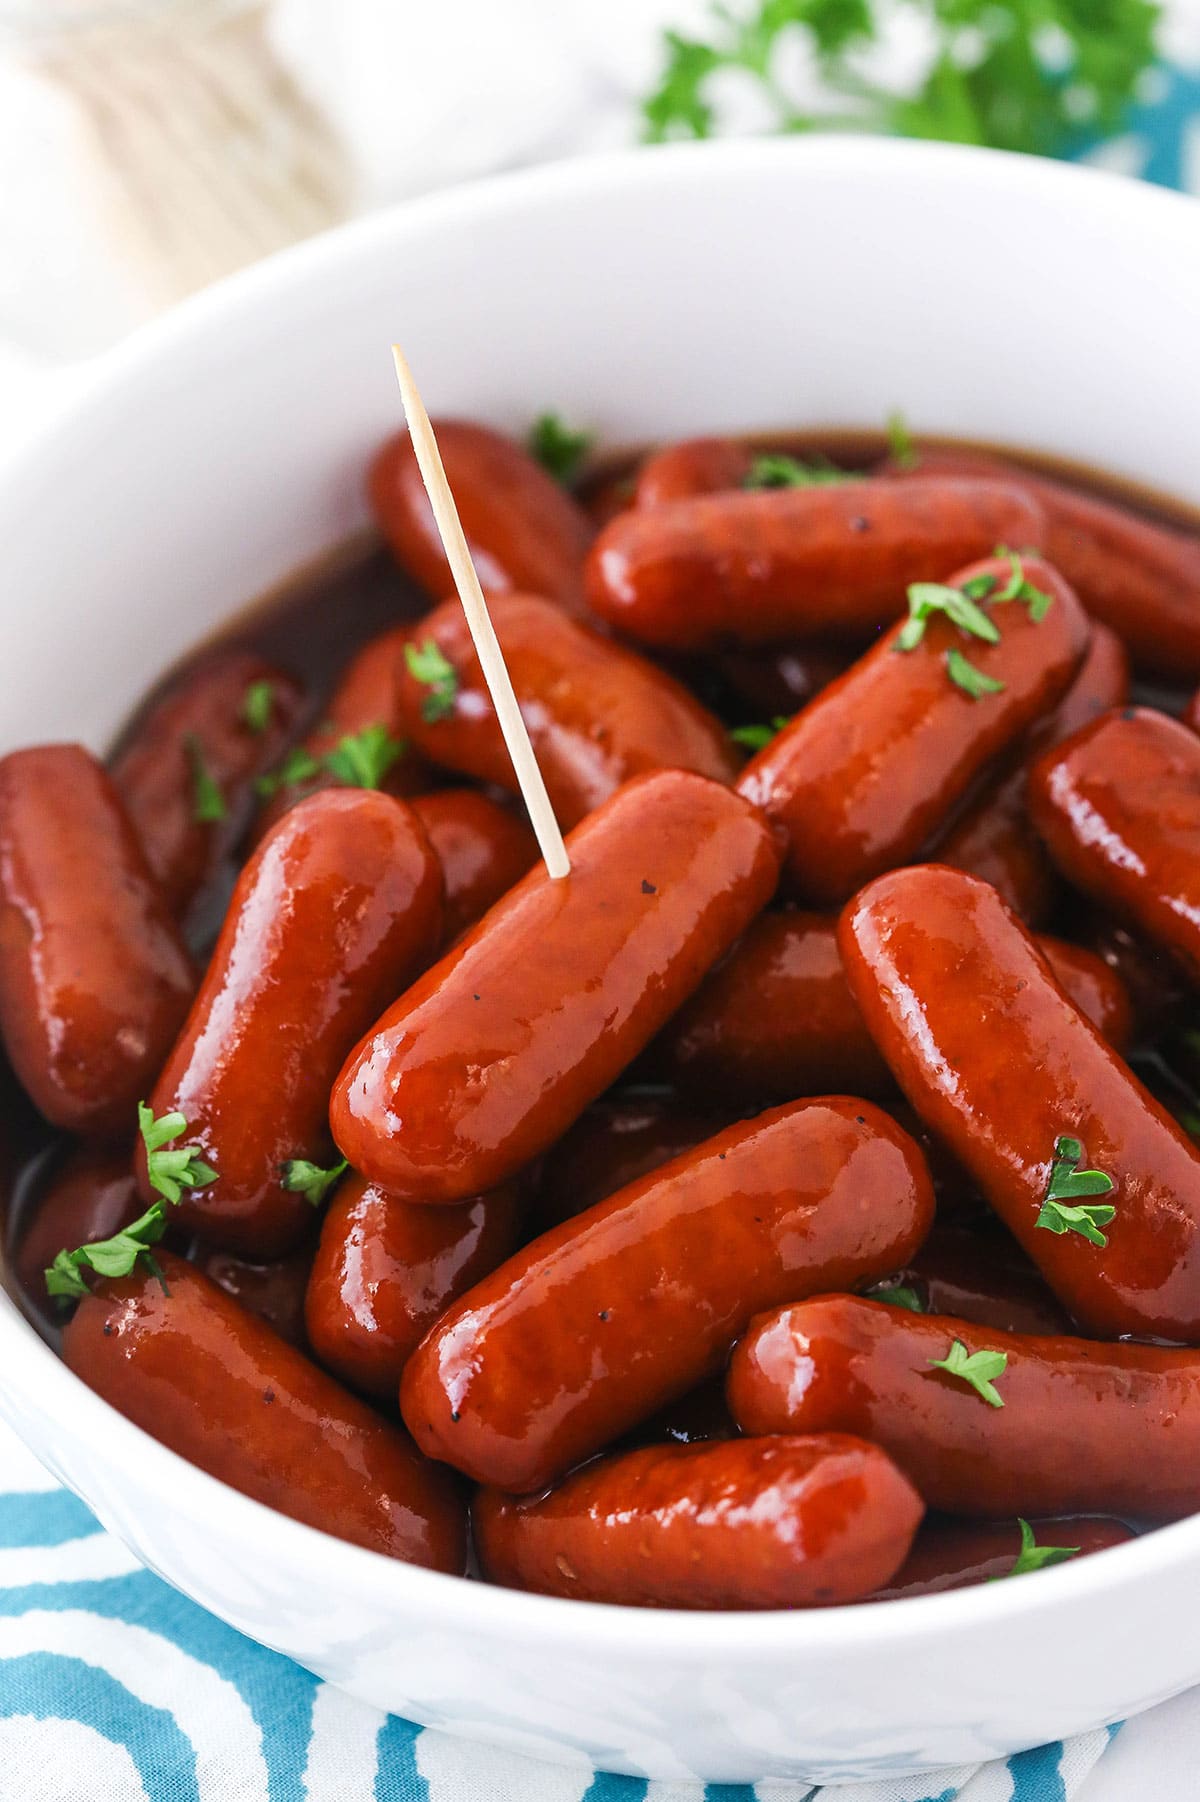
487	645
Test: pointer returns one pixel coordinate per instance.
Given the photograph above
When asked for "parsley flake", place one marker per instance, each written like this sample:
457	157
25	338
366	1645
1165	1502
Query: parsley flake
1033	1556
898	1295
310	1180
428	664
1020	588
972	681
362	760
958	604
559	449
1066	1186
777	471
900	442
208	803
756	738
257	703
976	1369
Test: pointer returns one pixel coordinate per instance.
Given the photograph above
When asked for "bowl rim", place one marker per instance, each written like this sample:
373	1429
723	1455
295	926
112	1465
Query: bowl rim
72	1410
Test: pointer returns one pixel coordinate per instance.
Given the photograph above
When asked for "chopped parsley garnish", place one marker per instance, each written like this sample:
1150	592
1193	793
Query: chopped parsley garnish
428	665
1033	1556
972	681
208	803
171	1170
310	1180
1020	588
558	448
898	1295
362	760
977	1369
774	470
958	604
1067	1185
900	442
257	702
755	738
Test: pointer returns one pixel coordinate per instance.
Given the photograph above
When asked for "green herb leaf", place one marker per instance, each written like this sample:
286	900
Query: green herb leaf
928	598
363	760
756	738
297	768
977	1369
1033	1556
310	1180
208	803
117	1256
257	703
558	448
777	471
1020	588
898	1295
428	665
900	443
1066	1186
972	681
171	1170
1014	74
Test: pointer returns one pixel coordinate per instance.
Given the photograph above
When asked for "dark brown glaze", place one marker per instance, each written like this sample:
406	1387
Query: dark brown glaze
868	773
386	1270
1191	713
770	566
1094	987
1119	807
94	977
1084	1426
338	908
1150	978
982	1276
758	1523
696	1418
956	1554
605	1319
90	1196
523	530
483	849
1139	576
597	713
490	1056
198	723
995	839
367	694
612	1143
778	681
777	1019
273	1291
220	1388
692	467
999	1062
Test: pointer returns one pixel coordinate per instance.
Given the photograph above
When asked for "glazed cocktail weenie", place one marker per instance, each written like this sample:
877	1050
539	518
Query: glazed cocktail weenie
799	1202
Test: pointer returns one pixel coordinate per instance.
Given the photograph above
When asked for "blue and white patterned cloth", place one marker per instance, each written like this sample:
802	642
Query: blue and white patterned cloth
114	1688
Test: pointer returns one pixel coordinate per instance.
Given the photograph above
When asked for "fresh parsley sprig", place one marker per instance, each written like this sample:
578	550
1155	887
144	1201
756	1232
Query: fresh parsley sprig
900	445
1067	1185
958	604
1020	588
429	665
756	738
171	1170
1024	75
977	1369
357	760
1033	1556
963	673
773	470
305	1178
558	447
208	803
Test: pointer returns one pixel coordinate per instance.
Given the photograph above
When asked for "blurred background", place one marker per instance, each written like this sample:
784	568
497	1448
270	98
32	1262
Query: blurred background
149	146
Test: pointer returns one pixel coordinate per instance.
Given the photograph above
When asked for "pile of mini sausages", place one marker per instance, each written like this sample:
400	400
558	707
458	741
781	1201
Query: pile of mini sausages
766	1215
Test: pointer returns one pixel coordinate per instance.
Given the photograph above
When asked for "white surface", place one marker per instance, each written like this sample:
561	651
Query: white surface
809	280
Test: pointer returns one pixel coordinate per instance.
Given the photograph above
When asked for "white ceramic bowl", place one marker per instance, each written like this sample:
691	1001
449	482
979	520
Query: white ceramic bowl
757	284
